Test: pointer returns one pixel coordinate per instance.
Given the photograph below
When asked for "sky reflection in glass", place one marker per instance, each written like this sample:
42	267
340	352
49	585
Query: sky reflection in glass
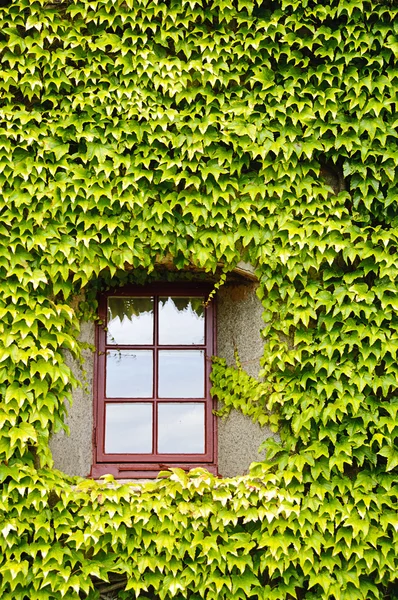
128	428
181	374
181	320
181	428
129	374
130	320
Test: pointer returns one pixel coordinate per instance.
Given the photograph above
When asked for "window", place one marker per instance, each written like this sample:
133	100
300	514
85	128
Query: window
152	406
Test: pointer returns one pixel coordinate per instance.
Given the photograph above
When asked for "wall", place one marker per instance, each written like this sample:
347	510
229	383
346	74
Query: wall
73	453
239	323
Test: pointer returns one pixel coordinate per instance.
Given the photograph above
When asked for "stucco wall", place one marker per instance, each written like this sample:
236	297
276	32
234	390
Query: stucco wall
238	325
239	322
73	453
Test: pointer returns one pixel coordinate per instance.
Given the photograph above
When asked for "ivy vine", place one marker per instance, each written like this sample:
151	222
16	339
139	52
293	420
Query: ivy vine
205	131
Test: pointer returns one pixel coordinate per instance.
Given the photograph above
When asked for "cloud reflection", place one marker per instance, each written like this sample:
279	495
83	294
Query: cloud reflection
180	326
181	428
129	374
181	374
128	428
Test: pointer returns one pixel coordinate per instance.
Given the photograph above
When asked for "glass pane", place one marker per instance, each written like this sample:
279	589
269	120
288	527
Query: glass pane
128	428
181	428
181	374
129	374
130	320
181	320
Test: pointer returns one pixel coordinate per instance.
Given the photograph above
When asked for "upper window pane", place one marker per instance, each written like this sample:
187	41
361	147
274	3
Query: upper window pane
181	320
130	320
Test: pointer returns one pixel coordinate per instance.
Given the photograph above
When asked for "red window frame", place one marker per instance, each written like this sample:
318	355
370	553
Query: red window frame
127	466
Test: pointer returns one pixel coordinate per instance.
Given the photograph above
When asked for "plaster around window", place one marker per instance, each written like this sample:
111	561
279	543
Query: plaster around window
73	453
239	322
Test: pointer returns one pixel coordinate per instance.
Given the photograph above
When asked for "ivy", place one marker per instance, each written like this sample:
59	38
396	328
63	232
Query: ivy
197	134
240	391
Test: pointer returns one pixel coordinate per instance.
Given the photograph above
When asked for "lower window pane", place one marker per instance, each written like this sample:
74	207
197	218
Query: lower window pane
128	428
181	428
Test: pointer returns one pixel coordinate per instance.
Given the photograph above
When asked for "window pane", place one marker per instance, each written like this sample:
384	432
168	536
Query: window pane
130	320
181	320
129	374
181	428
128	428
181	374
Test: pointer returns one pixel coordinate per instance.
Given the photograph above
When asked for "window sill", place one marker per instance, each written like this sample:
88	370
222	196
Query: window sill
143	471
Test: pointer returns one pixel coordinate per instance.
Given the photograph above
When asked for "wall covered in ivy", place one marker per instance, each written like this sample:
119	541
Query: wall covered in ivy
207	132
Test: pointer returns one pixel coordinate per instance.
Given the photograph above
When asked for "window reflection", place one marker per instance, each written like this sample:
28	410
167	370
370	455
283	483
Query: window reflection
128	428
181	320
129	374
130	320
181	428
181	374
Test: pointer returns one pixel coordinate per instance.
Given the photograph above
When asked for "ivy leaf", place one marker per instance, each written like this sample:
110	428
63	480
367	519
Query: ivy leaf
391	453
57	147
99	151
23	433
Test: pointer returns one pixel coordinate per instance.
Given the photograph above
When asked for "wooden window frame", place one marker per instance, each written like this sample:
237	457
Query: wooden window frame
131	466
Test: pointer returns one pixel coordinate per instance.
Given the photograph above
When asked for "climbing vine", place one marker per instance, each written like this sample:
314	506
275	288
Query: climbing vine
134	132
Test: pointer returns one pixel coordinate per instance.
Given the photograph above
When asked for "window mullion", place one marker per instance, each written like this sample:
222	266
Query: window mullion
155	374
